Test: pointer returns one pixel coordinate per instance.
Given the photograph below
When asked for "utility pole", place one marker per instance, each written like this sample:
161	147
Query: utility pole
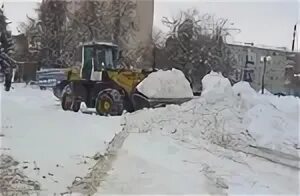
294	37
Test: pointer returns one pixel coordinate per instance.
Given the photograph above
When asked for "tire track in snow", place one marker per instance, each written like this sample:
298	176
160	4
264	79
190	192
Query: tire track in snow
92	182
89	184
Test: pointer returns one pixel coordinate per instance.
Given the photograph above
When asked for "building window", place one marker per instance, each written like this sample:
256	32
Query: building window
271	78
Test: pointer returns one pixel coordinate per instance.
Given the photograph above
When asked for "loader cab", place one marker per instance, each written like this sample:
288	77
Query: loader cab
97	57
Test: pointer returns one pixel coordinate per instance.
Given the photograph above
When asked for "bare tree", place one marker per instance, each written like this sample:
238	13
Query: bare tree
158	38
196	44
60	30
52	19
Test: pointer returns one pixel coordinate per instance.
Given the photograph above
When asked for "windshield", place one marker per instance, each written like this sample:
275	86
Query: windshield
109	58
106	57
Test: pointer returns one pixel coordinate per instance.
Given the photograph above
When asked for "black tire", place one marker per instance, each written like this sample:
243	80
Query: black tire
7	88
66	99
76	106
109	102
66	102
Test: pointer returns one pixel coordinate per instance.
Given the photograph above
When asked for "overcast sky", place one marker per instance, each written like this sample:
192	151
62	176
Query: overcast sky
268	22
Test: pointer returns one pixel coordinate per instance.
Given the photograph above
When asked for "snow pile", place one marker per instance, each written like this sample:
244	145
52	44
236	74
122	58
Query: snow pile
247	96
152	164
273	121
215	86
250	98
187	142
233	117
287	104
214	117
272	128
201	141
166	84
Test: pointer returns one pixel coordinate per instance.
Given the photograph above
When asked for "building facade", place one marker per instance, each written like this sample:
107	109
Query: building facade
250	66
20	43
135	30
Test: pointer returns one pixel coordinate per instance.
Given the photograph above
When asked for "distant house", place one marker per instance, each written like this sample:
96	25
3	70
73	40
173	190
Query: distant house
20	47
292	73
250	68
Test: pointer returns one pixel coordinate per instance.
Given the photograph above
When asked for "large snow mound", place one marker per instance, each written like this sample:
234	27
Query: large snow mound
208	141
233	117
166	84
272	128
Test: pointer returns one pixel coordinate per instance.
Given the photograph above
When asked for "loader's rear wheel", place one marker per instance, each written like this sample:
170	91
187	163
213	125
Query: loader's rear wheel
66	98
109	102
76	106
66	102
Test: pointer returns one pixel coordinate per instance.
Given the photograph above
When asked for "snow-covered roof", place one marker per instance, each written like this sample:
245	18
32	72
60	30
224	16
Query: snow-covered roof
260	46
99	43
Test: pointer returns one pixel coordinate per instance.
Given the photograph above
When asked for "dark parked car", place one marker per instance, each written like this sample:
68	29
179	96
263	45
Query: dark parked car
49	78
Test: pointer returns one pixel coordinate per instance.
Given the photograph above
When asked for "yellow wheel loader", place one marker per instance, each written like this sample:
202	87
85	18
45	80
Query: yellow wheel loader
106	86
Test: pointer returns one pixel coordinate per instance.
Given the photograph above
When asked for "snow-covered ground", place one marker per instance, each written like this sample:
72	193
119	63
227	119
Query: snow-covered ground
55	145
230	140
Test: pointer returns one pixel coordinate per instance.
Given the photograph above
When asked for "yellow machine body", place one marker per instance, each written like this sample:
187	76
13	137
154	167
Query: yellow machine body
127	79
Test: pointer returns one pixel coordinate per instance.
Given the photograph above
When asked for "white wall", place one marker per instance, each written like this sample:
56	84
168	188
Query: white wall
275	70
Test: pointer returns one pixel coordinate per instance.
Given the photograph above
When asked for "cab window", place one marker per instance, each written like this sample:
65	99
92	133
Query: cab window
99	63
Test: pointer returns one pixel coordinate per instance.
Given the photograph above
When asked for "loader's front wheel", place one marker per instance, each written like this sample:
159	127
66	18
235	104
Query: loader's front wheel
104	105
109	102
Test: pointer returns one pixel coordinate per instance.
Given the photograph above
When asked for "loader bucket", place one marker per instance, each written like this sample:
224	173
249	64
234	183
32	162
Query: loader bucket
140	101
